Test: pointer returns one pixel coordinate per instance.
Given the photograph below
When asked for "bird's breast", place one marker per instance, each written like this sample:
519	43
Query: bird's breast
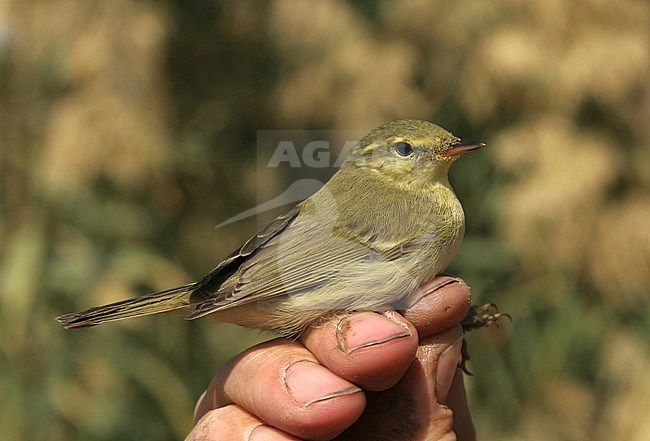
442	241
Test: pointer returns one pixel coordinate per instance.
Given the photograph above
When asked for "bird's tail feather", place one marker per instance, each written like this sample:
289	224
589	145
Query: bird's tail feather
163	301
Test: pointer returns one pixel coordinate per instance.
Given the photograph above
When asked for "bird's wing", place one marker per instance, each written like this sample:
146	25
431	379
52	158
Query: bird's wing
381	244
298	252
295	259
208	285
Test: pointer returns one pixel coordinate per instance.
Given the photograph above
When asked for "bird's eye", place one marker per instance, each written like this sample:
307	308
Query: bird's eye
403	148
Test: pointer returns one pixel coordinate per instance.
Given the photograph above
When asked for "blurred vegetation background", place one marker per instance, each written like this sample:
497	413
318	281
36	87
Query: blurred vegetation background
128	131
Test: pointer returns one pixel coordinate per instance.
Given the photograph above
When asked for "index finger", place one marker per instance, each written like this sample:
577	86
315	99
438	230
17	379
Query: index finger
374	350
438	304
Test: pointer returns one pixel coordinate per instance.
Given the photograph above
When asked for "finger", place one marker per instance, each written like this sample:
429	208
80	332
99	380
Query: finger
370	349
457	402
282	383
234	423
375	350
438	304
414	409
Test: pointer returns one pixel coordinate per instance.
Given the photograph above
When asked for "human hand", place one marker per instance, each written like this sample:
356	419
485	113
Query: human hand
364	376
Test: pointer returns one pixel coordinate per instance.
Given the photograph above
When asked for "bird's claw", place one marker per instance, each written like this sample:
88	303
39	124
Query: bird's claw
482	316
478	317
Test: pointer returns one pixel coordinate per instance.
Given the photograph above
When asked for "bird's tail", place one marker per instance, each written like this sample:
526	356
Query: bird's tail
163	301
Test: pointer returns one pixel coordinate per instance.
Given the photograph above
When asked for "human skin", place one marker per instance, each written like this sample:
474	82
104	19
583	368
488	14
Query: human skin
372	376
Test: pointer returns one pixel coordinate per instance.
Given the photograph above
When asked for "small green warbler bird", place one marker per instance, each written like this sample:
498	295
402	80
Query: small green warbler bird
386	222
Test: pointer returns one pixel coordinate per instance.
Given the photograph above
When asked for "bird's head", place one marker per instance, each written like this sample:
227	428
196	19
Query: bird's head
409	150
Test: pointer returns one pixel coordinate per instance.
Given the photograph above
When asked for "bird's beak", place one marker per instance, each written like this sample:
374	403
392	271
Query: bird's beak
460	147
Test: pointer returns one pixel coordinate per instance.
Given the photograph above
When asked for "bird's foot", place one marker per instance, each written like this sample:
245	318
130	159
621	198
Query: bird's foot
478	317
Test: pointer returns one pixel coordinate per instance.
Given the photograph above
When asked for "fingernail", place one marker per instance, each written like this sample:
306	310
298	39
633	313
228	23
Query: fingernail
266	433
367	329
431	287
446	369
309	382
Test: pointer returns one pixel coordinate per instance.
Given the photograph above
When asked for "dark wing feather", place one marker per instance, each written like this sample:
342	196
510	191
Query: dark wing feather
264	279
208	286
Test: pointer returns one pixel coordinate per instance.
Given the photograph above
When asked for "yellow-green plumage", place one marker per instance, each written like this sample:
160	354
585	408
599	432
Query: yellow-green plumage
386	222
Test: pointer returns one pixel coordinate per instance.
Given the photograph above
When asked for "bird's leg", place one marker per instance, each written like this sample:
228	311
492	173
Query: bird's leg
479	317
